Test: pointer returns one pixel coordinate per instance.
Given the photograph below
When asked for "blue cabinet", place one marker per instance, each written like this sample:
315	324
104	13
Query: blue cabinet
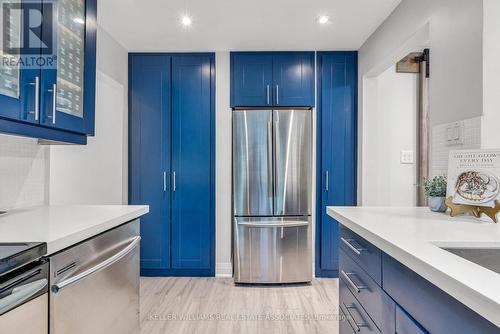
336	150
55	100
149	153
293	75
252	79
402	302
172	161
272	79
192	153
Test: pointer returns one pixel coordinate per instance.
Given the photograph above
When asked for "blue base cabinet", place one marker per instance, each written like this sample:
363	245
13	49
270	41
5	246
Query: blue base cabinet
172	161
272	79
54	102
336	151
401	302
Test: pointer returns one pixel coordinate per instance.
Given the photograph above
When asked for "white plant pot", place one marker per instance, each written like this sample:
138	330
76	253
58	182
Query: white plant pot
437	204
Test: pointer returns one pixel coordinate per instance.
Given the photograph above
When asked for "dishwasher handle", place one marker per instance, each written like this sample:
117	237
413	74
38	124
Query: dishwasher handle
21	294
98	267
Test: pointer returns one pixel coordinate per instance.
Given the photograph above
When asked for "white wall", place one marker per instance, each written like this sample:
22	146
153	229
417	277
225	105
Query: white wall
491	74
452	29
389	128
97	173
24	169
223	165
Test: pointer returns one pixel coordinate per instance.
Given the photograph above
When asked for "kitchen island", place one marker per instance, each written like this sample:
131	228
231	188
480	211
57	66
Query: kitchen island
401	268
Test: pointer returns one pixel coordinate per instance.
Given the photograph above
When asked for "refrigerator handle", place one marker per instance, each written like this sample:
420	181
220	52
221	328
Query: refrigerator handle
270	154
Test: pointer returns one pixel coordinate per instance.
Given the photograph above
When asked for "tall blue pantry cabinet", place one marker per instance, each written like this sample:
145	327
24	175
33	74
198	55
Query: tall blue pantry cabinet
172	160
336	151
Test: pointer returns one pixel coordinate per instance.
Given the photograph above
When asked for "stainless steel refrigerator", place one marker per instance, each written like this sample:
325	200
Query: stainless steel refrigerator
272	159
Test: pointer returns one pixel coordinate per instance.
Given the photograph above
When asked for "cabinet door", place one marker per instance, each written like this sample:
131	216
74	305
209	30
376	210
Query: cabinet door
68	89
293	79
19	84
337	121
251	80
149	155
191	161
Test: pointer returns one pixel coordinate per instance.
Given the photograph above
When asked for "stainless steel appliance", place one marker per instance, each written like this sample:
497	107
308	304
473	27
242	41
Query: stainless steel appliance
272	157
95	284
23	289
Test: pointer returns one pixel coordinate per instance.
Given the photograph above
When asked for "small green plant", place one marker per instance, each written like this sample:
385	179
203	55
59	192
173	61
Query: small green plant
435	187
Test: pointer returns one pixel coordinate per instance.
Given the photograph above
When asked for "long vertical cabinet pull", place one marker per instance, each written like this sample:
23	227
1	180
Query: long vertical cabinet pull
164	181
268	95
174	185
37	98
277	94
327	181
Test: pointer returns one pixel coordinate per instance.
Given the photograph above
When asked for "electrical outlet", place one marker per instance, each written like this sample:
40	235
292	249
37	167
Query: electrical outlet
407	157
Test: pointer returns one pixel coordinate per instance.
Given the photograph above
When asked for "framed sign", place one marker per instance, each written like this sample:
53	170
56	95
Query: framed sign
474	177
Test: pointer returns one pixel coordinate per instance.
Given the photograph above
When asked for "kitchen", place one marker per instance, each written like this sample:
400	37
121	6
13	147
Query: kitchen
252	167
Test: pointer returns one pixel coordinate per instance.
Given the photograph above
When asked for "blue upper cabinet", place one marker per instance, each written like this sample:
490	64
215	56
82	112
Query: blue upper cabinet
52	97
67	91
293	79
272	79
252	79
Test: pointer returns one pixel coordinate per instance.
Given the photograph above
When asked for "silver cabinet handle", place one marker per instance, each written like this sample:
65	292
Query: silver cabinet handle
54	101
327	181
347	277
36	112
174	185
356	324
20	294
277	94
356	250
268	99
164	181
98	267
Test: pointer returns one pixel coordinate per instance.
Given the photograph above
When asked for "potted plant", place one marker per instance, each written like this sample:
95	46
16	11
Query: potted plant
435	189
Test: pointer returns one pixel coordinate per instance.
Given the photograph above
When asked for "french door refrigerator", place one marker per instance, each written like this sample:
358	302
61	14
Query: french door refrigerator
272	158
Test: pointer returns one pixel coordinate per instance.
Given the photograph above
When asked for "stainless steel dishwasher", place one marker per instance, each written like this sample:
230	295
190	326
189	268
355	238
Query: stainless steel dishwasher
95	284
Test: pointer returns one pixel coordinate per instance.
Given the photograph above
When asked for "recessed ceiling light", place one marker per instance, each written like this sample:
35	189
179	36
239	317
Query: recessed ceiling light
78	20
323	19
186	21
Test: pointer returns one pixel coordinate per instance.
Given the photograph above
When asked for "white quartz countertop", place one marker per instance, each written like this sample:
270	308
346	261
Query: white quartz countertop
413	236
63	226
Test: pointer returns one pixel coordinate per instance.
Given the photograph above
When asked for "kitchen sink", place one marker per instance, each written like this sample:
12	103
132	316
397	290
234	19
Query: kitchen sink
485	257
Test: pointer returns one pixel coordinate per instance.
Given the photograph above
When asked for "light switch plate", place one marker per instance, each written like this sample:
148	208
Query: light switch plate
407	157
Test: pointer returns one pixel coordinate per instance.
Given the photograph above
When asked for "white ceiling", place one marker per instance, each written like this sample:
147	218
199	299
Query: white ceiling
154	25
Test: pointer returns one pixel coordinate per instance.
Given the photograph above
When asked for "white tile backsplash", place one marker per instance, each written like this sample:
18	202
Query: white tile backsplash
440	149
24	172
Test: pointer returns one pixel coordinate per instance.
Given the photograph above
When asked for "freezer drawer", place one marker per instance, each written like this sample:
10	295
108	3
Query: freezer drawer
95	285
293	160
252	162
272	250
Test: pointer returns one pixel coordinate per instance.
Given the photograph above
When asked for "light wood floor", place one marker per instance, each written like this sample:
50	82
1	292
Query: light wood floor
217	306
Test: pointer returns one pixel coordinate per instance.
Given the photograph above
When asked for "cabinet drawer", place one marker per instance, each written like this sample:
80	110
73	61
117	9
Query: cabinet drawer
357	317
344	326
406	325
364	253
434	309
374	300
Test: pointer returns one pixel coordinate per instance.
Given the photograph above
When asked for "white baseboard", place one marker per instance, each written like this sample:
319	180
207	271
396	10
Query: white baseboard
224	269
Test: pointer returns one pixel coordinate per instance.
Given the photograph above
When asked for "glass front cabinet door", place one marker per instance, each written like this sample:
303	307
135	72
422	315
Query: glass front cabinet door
68	88
19	82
